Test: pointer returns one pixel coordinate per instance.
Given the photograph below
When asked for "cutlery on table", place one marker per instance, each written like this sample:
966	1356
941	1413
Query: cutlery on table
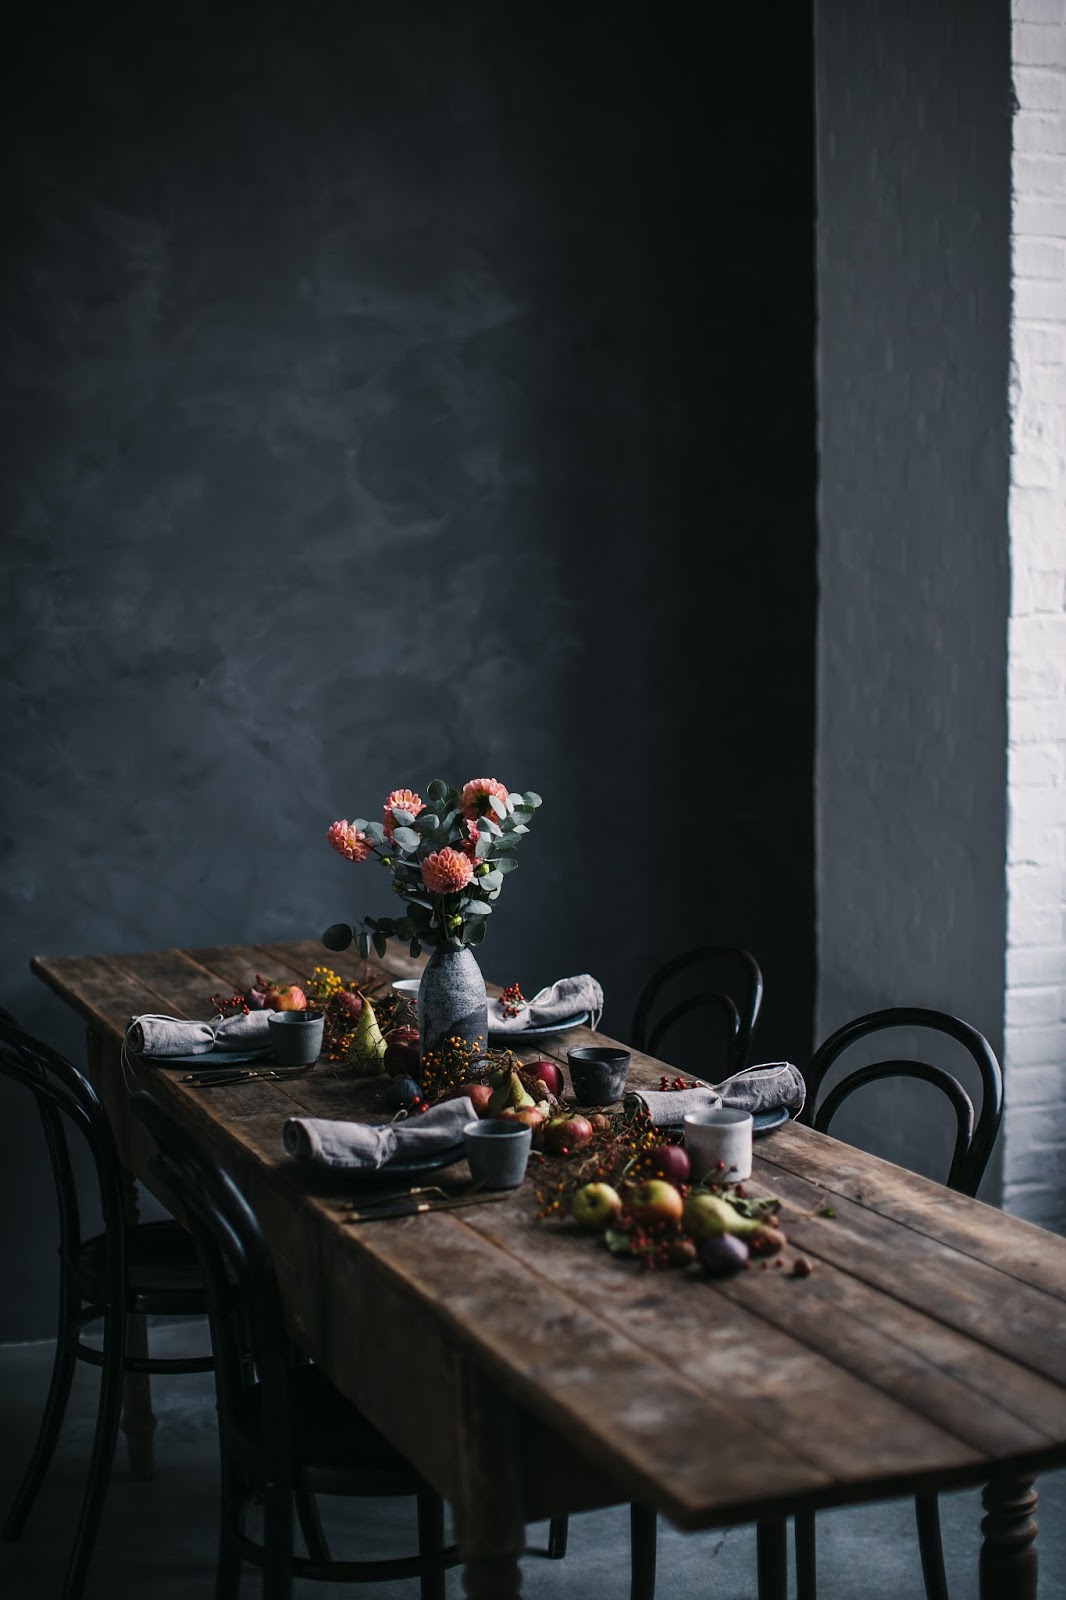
218	1075
414	1208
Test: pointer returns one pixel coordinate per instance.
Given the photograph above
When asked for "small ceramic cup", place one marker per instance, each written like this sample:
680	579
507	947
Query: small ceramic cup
718	1142
598	1073
497	1152
296	1037
408	987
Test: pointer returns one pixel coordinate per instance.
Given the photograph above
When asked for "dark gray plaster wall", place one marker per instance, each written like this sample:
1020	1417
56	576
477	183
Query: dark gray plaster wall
393	392
914	223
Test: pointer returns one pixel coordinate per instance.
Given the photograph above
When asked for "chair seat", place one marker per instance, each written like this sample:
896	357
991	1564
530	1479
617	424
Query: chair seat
331	1439
162	1270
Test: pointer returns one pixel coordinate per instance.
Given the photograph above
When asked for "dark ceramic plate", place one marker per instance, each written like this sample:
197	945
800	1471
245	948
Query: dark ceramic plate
394	1172
497	1036
210	1060
767	1121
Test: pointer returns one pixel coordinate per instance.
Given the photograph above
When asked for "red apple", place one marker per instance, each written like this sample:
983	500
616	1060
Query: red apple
528	1115
595	1205
670	1161
549	1073
655	1201
289	998
479	1095
401	1058
565	1134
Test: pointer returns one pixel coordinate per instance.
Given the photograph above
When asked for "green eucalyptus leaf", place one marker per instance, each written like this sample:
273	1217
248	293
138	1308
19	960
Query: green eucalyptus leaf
416	948
485	843
338	936
419	900
403	816
406	839
375	831
427	821
522	814
448	820
437	792
616	1241
519	829
363	942
476	933
532	798
491	880
478	908
504	864
380	943
360	824
497	805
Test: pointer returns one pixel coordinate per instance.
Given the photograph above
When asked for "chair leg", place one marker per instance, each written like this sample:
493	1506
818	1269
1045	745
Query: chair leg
311	1524
277	1543
51	1421
806	1557
643	1541
230	1508
927	1509
108	1413
431	1542
558	1533
772	1550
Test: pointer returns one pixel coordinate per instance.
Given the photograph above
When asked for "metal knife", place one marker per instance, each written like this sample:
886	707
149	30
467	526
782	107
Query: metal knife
414	1208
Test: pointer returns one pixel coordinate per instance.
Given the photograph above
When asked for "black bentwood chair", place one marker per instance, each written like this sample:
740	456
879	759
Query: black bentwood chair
285	1433
715	978
974	1139
129	1267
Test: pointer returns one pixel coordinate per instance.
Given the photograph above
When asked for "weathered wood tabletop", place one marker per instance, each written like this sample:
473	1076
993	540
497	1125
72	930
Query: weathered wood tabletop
526	1372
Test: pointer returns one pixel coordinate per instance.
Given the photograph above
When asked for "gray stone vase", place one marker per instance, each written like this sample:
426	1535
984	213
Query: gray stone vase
451	1000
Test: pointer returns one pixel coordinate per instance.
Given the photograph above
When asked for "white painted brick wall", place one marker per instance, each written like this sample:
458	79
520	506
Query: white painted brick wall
1034	1161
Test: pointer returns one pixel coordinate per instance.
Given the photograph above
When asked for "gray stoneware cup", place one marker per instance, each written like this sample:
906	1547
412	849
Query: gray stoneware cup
296	1037
598	1073
497	1152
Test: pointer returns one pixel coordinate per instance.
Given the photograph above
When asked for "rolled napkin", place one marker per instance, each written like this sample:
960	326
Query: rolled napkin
367	1146
558	1001
761	1088
170	1036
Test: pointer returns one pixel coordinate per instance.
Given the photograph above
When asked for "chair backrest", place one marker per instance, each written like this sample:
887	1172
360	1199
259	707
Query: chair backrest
66	1099
718	979
244	1306
974	1135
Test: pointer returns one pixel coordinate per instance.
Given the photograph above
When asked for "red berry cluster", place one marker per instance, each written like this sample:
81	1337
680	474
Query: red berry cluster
510	1000
678	1083
233	1005
416	1107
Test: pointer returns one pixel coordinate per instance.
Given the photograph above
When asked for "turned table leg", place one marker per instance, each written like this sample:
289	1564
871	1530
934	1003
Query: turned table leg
488	1506
1008	1553
138	1420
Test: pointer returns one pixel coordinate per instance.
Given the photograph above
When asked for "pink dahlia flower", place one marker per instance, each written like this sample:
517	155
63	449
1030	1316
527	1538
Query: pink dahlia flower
446	871
403	800
348	841
474	800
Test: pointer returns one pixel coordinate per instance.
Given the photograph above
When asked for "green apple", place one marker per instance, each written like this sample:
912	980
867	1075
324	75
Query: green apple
595	1205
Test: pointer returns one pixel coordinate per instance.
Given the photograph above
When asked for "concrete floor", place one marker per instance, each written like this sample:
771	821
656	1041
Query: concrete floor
158	1538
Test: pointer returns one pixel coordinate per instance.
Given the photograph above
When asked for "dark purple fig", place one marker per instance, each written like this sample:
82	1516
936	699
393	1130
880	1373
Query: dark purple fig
403	1092
722	1254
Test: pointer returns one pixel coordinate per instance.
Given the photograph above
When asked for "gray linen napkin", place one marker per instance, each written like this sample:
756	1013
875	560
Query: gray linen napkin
553	1004
368	1146
761	1088
170	1036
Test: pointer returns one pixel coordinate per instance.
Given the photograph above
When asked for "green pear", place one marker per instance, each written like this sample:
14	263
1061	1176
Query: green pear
366	1048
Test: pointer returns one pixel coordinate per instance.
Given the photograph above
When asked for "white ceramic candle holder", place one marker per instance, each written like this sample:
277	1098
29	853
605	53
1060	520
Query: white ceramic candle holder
718	1142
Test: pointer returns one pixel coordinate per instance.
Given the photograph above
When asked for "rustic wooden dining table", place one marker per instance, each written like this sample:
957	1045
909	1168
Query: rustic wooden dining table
528	1373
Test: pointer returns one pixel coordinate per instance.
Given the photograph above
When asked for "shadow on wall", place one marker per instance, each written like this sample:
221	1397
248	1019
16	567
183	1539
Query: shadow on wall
394	394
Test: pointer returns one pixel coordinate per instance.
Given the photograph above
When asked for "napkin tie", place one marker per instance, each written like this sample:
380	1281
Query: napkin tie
367	1146
759	1088
555	1003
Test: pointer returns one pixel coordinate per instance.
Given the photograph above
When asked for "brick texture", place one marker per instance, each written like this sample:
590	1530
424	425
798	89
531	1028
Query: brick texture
1034	1161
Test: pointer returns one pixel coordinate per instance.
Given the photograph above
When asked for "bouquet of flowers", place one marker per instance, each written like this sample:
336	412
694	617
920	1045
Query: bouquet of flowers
448	856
